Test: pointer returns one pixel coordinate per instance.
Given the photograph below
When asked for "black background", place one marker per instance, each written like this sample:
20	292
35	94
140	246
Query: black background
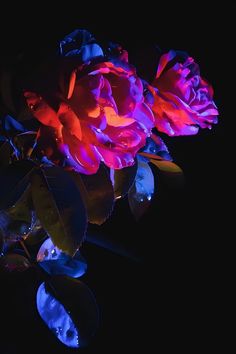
170	298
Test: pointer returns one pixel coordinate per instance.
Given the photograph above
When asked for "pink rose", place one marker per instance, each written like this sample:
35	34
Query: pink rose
180	99
103	118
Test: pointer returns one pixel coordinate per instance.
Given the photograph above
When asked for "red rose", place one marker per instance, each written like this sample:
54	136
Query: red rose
103	118
180	99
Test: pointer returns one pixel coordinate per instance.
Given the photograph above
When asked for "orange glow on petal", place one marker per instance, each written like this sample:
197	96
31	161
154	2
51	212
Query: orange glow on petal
70	121
94	113
115	120
71	84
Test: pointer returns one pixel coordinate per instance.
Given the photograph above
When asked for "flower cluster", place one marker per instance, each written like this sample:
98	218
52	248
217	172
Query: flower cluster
106	112
78	132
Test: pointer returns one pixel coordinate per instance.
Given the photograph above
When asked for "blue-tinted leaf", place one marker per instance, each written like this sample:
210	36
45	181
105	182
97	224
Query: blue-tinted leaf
156	146
80	43
57	318
61	296
87	52
11	126
79	300
54	261
142	190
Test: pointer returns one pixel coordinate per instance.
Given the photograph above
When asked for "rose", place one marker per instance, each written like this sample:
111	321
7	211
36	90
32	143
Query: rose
103	117
180	99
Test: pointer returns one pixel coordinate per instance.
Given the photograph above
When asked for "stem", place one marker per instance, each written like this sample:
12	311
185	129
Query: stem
25	249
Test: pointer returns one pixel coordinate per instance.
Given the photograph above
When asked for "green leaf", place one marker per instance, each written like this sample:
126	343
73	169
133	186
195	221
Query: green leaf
123	180
22	210
98	194
59	207
79	301
14	180
141	192
170	173
6	151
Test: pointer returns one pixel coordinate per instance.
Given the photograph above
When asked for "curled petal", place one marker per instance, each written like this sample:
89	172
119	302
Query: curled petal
180	99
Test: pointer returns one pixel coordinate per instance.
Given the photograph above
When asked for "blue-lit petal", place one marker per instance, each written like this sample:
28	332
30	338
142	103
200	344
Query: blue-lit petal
87	52
80	43
56	262
57	318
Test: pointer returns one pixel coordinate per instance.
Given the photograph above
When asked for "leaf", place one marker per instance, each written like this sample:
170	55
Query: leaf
59	207
54	261
11	126
156	146
77	300
123	180
14	262
170	173
98	194
57	318
141	192
25	143
22	210
14	180
6	151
